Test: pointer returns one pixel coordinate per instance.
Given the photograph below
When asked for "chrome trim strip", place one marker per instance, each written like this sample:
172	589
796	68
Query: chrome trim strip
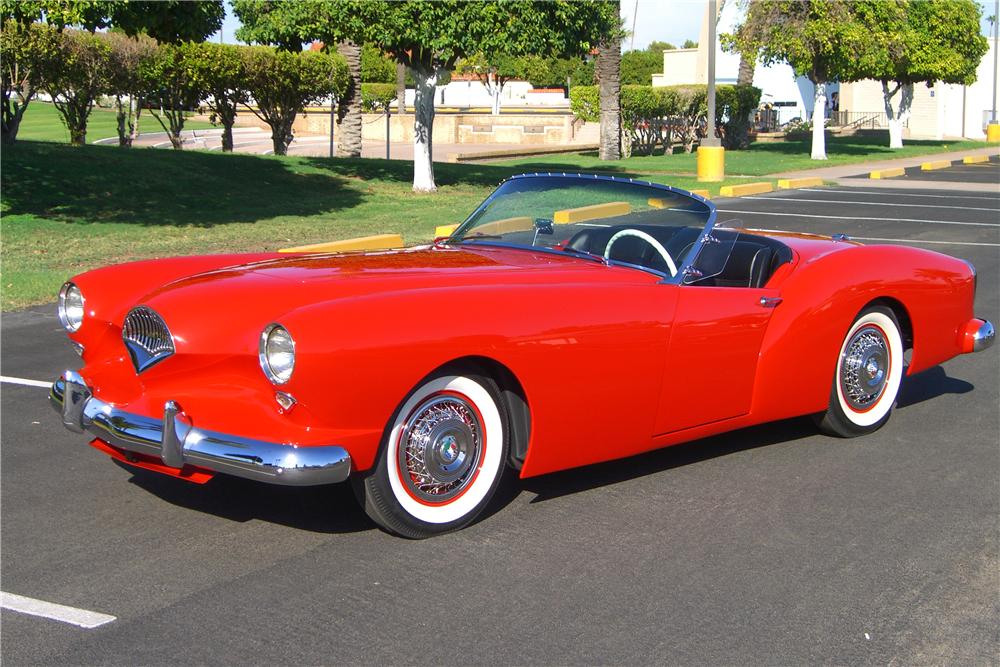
984	337
176	442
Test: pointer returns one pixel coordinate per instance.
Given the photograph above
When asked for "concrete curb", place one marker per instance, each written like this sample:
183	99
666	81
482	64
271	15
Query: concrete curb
377	242
935	164
887	173
745	189
791	183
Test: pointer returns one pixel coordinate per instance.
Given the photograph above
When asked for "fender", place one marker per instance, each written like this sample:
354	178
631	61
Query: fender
799	352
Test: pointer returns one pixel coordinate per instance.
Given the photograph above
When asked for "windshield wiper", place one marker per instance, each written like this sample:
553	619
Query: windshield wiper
584	253
476	237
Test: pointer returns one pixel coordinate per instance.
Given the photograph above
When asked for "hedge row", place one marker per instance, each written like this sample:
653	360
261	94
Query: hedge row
664	116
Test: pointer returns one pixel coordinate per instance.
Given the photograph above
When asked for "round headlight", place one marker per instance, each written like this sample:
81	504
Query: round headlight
277	353
71	307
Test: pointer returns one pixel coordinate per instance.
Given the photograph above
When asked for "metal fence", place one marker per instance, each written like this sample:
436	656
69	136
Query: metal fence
767	120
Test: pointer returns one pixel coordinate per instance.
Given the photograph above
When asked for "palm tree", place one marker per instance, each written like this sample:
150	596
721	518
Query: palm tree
350	105
400	88
607	69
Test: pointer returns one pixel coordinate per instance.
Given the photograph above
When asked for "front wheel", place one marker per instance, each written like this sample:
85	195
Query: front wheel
443	457
869	371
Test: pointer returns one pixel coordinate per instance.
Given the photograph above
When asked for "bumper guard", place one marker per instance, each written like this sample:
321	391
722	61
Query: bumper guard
176	442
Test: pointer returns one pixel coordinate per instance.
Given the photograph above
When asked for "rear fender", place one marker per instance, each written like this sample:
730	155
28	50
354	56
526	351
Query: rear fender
823	296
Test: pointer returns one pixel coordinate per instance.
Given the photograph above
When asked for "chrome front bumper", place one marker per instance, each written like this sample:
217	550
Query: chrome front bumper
176	442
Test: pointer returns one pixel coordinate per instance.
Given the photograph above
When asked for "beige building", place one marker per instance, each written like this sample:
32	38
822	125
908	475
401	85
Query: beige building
940	111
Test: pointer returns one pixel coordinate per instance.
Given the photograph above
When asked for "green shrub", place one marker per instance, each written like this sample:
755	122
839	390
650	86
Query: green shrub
376	97
665	116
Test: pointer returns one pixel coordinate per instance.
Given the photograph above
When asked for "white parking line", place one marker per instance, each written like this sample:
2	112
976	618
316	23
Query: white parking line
872	203
856	217
875	192
56	612
27	383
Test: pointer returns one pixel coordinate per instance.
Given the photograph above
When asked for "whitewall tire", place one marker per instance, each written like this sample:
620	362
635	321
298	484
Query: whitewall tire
444	453
868	374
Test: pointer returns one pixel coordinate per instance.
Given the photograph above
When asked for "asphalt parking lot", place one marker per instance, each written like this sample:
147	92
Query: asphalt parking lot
771	545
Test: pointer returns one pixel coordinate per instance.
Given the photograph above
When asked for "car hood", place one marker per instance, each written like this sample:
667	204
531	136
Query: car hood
247	297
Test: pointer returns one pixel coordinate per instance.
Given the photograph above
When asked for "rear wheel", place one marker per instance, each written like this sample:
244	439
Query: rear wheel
869	371
443	457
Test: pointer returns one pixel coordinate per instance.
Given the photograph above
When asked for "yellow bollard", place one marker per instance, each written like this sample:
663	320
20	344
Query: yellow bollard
711	163
993	132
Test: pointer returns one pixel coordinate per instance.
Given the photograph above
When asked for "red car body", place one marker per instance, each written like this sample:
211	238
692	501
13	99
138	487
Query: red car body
610	361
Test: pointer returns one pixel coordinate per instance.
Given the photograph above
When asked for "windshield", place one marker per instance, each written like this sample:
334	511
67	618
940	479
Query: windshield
648	226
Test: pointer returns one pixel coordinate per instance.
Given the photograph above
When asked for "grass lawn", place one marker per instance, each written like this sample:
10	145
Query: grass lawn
761	160
41	122
67	209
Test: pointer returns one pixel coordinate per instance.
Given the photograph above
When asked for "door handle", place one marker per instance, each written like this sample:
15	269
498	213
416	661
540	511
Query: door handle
770	301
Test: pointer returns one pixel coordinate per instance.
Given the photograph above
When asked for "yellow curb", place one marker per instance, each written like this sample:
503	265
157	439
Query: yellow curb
444	230
789	183
657	202
887	173
935	164
593	212
745	189
975	159
377	242
701	193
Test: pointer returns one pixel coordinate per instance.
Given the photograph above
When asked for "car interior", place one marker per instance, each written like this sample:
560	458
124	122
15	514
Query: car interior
752	262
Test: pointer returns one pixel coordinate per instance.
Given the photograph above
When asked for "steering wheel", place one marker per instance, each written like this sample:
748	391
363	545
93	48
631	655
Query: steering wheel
648	239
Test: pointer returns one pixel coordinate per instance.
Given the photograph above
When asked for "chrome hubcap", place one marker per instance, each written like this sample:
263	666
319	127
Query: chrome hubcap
864	368
440	448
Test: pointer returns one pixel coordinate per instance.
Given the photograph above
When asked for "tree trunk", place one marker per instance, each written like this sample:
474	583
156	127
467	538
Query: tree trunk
13	111
227	137
897	118
423	130
819	122
349	144
74	113
400	88
12	122
494	87
123	109
608	72
135	107
747	67
281	134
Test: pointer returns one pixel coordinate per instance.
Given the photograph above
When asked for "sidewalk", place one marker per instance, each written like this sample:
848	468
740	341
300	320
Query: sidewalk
842	174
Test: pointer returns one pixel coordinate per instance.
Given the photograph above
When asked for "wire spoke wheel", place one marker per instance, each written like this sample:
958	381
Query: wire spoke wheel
864	367
440	448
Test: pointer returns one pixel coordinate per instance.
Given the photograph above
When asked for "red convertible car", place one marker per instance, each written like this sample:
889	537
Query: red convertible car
569	320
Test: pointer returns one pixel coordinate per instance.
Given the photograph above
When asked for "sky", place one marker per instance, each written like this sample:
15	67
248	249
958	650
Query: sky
655	20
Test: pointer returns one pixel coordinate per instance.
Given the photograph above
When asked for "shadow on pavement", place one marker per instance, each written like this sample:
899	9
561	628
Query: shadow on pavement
334	509
929	384
320	509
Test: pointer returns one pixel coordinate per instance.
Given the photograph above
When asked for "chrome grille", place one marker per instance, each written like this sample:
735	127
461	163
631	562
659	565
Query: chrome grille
147	338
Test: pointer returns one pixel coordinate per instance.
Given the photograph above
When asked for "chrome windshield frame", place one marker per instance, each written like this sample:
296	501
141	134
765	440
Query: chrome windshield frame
670	280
